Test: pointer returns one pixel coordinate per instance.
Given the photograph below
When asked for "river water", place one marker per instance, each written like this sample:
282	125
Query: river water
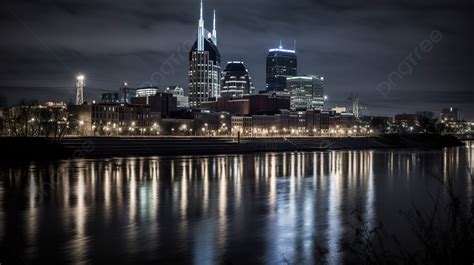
265	208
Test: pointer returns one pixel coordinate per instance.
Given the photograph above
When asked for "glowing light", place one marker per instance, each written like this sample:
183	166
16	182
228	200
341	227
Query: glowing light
281	50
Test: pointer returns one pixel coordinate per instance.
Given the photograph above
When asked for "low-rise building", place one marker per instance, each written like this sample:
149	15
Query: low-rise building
339	109
248	104
160	103
265	125
212	123
110	98
177	126
450	114
178	92
242	125
406	119
114	119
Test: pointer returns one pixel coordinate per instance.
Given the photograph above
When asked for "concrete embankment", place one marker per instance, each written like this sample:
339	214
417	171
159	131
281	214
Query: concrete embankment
78	147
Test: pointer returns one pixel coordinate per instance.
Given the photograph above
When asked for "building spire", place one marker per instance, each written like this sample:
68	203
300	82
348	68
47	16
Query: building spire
214	31
281	46
200	16
200	41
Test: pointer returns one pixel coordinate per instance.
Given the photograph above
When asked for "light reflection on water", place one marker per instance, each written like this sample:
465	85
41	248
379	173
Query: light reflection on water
255	208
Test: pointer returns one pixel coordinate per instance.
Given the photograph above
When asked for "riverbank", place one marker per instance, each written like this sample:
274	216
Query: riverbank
80	147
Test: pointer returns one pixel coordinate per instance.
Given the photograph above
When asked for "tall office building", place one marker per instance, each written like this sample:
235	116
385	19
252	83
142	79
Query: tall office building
306	92
204	65
236	80
281	63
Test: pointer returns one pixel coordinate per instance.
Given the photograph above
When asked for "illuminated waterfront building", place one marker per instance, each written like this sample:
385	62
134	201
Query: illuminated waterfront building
204	65
248	104
306	92
281	63
161	104
241	124
339	109
450	114
178	93
112	118
147	91
236	80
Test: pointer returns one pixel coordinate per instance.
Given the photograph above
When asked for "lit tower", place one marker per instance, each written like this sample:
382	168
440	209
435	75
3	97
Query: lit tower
80	83
281	63
126	93
214	31
200	38
355	106
204	65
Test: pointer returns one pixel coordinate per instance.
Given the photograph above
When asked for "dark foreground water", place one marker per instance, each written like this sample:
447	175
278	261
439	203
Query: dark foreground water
266	208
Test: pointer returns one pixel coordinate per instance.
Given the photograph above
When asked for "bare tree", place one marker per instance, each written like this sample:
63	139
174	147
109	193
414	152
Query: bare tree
445	233
36	121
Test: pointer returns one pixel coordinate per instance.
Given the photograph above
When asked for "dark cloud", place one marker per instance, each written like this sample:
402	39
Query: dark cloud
355	44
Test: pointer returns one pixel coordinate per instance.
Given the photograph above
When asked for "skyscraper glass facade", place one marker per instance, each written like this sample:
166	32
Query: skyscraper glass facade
204	66
281	63
306	92
236	80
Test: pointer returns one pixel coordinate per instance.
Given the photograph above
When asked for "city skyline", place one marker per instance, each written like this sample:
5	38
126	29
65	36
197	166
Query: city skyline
45	57
236	132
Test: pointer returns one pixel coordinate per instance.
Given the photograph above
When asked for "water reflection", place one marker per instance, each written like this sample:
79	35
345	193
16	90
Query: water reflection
260	208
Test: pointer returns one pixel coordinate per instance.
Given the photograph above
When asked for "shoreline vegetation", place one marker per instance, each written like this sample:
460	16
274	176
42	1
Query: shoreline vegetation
444	231
108	146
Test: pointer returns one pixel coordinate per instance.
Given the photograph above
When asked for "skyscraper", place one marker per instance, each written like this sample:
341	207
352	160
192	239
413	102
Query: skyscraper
281	63
236	80
306	92
204	65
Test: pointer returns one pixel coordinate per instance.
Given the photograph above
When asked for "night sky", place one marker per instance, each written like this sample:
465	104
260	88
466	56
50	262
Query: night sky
354	44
